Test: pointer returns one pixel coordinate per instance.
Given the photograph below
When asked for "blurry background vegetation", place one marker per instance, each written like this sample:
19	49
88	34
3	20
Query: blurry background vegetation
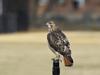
23	15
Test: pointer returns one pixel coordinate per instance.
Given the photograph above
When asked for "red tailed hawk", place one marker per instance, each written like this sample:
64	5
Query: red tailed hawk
58	43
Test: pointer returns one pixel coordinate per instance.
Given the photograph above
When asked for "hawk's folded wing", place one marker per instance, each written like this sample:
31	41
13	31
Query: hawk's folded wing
58	41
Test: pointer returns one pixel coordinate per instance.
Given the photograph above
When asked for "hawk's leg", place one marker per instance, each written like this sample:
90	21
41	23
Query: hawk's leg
56	53
57	57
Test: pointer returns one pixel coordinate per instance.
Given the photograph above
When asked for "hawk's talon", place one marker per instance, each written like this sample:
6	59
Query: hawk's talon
57	58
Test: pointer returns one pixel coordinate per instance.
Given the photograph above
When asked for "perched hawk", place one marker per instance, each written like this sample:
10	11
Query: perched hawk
58	43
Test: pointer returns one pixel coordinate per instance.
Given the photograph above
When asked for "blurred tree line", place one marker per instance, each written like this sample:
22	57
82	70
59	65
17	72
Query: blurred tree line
21	15
14	15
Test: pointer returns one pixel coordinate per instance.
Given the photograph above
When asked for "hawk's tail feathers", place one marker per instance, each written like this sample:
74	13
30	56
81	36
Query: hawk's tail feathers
68	61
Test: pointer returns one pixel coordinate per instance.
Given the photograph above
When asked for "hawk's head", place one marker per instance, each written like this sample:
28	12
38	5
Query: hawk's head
51	26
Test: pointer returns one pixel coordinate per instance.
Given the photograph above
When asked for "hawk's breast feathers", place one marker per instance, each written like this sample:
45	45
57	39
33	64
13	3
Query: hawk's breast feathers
58	41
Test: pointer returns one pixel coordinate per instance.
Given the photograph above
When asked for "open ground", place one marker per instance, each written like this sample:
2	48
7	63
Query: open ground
28	54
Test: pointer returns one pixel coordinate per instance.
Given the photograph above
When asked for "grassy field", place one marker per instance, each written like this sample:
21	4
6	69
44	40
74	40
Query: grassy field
28	54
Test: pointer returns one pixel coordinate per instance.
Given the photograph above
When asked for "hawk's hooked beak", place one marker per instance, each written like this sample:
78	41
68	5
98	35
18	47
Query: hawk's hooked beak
48	24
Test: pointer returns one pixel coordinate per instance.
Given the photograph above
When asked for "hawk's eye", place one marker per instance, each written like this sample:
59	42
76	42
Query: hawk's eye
50	23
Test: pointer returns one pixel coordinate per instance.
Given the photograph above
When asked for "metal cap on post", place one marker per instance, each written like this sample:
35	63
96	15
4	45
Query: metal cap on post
56	68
